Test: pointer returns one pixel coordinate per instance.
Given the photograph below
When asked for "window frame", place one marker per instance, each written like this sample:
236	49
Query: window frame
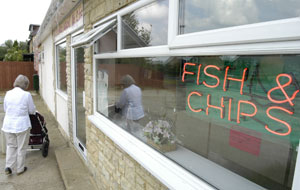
58	90
168	172
88	39
205	42
236	35
75	140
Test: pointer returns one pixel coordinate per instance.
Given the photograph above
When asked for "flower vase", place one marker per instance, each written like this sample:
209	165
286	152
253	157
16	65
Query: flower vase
162	147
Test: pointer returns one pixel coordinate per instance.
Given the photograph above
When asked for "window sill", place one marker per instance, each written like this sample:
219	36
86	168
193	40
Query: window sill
62	94
169	173
211	172
206	169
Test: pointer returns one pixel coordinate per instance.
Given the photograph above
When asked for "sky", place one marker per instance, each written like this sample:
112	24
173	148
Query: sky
17	15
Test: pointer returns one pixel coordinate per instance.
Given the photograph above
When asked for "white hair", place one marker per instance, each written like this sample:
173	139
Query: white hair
22	82
127	80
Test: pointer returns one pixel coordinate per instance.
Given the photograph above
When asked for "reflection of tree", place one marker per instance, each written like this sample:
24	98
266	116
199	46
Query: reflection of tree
79	53
79	61
143	33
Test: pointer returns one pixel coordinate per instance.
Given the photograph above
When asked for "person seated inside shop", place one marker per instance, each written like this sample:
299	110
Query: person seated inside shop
130	102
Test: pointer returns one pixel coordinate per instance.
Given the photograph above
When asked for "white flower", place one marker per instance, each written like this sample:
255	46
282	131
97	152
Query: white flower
159	131
149	125
166	134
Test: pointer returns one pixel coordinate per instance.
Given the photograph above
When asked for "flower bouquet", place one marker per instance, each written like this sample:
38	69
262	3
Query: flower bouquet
160	136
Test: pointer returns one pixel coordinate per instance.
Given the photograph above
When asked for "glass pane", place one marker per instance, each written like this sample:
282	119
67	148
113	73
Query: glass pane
61	67
80	95
201	15
240	112
147	26
91	36
107	43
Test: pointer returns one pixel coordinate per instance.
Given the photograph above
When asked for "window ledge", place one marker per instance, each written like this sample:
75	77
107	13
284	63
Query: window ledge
62	94
169	173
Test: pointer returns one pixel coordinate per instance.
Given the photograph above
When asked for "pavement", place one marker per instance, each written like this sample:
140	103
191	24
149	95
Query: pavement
61	169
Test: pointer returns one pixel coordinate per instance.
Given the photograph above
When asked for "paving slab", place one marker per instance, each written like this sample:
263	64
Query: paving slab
61	169
74	173
42	173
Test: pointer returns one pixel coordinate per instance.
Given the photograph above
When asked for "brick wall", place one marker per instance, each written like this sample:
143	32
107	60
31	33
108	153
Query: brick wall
111	167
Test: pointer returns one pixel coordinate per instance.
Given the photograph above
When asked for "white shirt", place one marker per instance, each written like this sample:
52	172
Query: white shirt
131	103
18	104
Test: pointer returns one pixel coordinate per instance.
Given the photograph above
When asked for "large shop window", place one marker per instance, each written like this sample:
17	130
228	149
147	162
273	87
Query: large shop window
61	67
238	112
204	15
147	26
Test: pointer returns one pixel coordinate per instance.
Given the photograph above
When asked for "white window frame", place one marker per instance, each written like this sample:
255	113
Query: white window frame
59	91
76	141
164	169
91	36
257	42
279	30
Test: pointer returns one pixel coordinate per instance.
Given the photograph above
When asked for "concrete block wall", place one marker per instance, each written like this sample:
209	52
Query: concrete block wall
69	86
95	10
111	167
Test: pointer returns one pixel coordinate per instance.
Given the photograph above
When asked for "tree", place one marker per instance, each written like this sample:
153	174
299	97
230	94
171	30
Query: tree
4	47
24	46
3	51
8	43
15	50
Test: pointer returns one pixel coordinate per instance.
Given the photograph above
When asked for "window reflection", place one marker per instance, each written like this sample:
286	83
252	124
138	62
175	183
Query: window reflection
61	67
108	42
80	94
214	107
201	15
145	27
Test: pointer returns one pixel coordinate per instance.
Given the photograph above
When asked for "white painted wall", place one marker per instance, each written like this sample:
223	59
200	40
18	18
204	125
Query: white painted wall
62	112
46	74
48	87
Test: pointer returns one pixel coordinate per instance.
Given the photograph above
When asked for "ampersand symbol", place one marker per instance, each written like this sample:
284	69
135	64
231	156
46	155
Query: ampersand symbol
281	87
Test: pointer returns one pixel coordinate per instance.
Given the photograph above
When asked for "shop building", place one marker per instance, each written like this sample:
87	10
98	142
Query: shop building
218	83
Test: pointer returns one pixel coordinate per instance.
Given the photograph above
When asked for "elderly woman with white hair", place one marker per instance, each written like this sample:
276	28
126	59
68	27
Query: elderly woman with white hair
131	101
18	104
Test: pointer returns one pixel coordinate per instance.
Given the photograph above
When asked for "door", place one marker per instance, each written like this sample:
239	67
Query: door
79	118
